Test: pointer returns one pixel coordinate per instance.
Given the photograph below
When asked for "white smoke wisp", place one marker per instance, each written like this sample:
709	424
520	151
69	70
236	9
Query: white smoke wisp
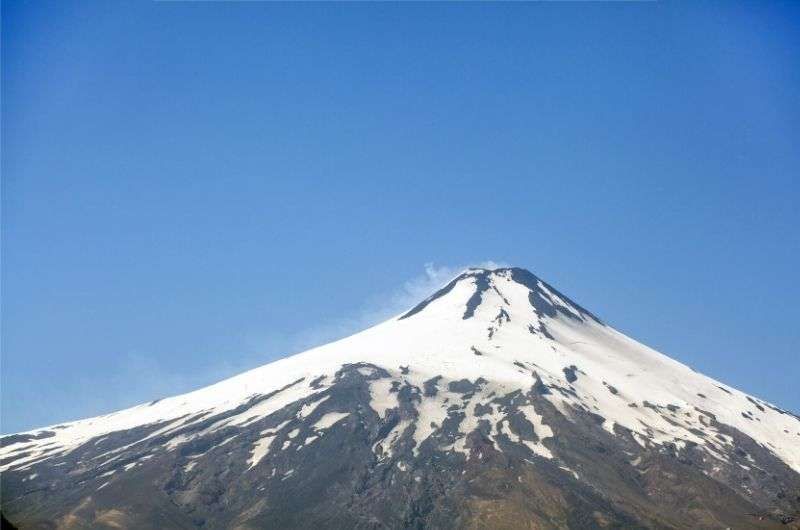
379	308
421	287
144	377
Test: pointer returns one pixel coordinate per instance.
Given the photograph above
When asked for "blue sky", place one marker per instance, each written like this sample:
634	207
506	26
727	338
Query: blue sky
193	189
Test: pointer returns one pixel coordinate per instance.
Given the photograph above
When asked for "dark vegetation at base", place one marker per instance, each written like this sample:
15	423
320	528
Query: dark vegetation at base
5	524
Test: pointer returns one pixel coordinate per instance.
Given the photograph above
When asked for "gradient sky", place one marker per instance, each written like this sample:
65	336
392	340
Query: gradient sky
193	189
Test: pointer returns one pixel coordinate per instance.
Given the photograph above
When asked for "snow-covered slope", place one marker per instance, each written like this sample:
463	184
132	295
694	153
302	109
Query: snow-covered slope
505	327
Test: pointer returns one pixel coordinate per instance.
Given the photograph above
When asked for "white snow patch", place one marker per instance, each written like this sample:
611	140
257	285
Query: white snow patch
329	419
260	448
308	408
382	400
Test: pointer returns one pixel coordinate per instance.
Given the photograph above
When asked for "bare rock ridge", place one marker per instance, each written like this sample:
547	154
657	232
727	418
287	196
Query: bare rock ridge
497	402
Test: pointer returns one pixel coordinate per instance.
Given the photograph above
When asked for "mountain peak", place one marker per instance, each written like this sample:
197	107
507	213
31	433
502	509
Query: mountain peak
542	298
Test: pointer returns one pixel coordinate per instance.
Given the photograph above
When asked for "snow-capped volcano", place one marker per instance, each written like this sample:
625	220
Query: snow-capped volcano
497	374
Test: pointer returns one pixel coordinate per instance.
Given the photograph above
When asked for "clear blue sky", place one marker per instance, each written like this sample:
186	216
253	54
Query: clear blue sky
192	189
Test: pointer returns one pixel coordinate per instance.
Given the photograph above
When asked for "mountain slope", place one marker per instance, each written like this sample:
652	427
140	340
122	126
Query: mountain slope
495	403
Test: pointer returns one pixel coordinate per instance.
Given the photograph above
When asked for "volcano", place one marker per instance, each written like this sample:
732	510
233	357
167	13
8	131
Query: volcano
495	403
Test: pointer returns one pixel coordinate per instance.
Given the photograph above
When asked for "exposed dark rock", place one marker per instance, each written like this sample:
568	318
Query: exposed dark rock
465	386
569	373
16	438
431	386
481	286
754	402
502	317
317	382
541	301
539	387
480	410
